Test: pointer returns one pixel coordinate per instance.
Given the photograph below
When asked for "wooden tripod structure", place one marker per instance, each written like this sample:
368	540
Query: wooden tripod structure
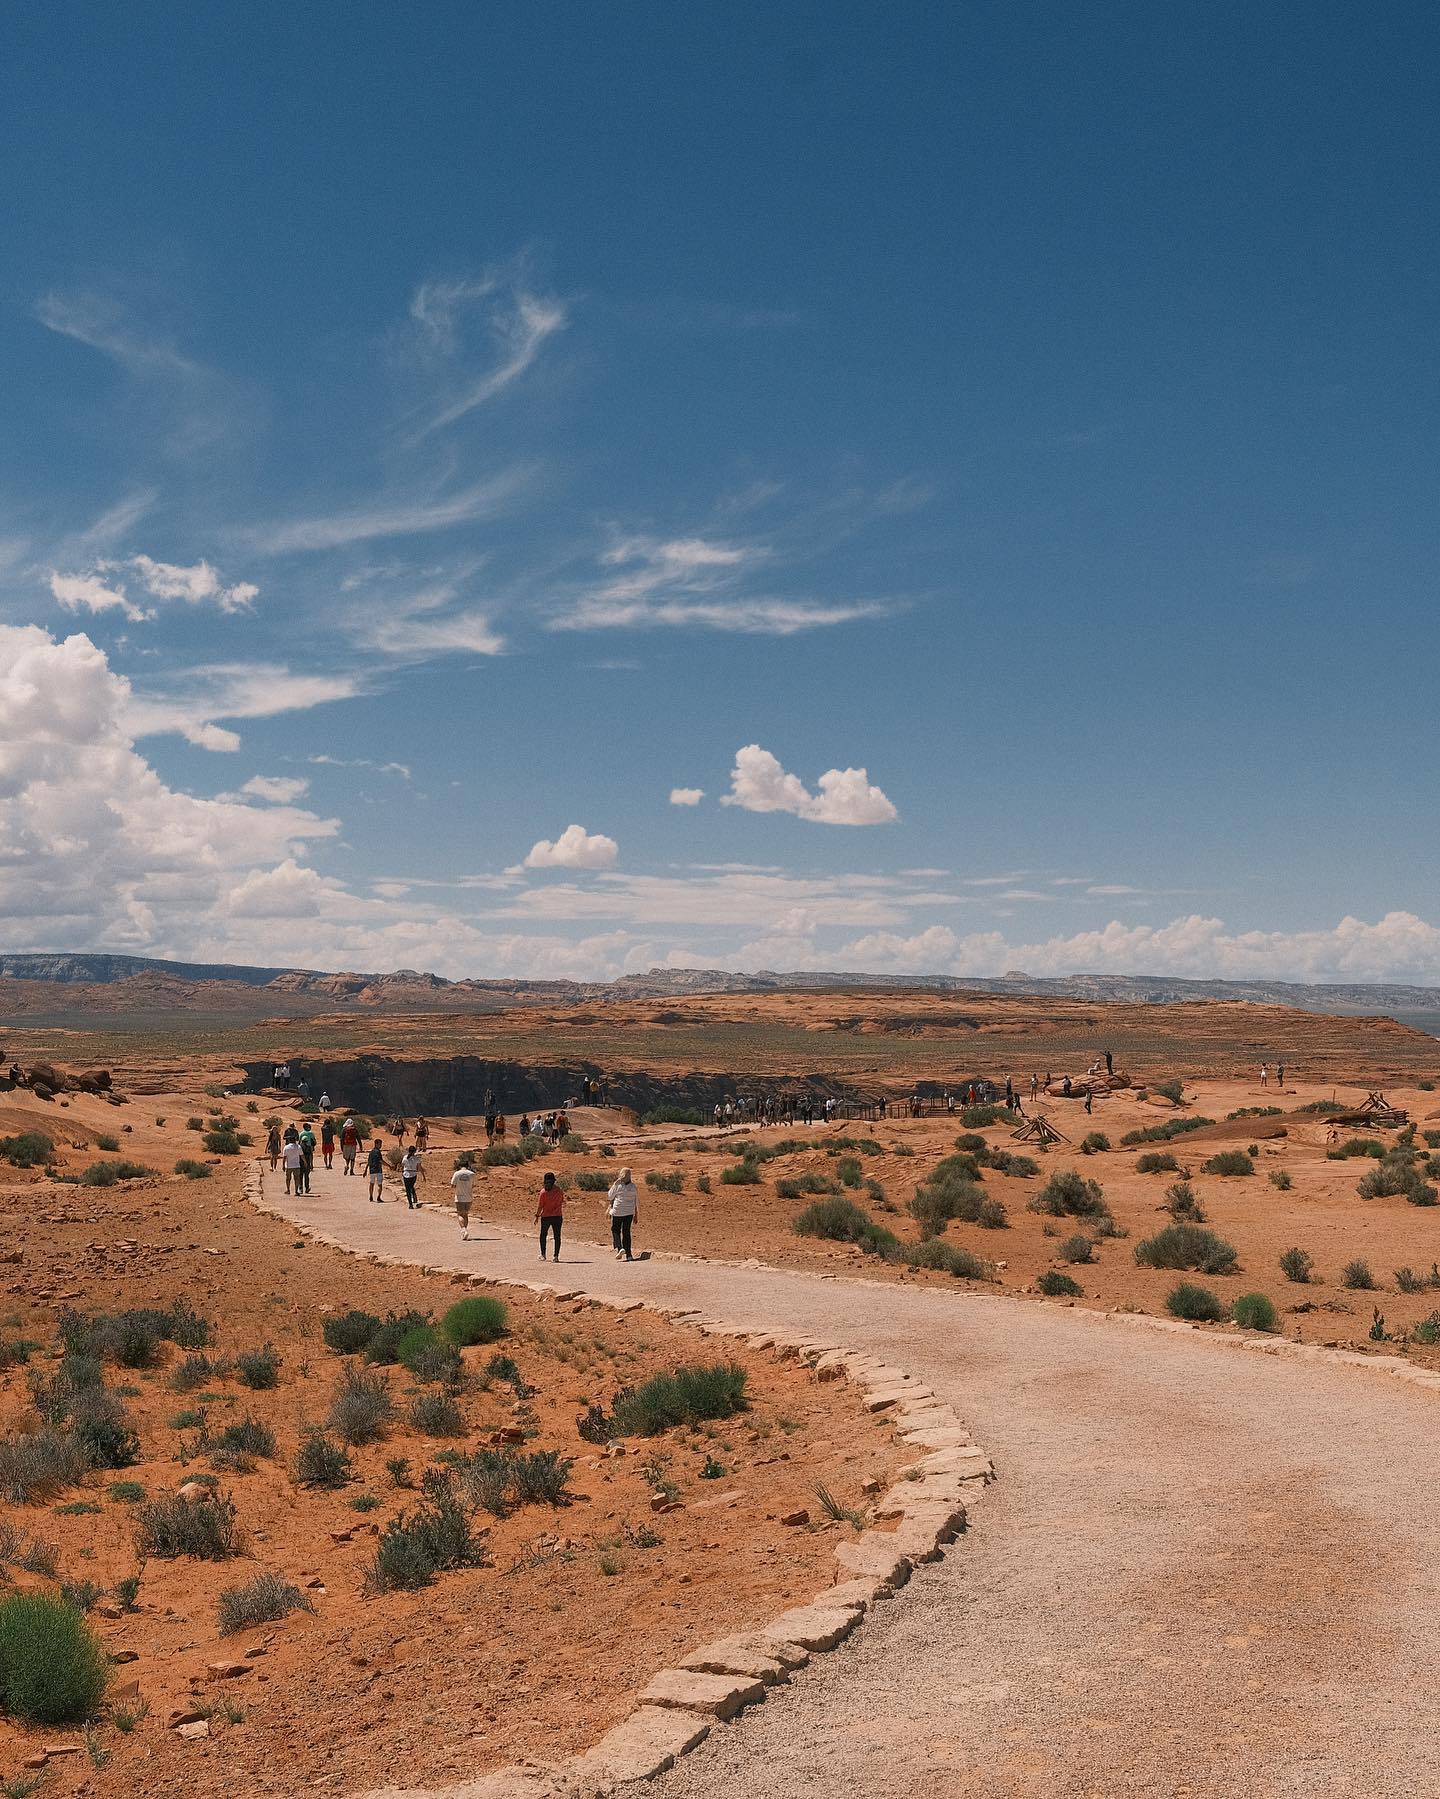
1039	1130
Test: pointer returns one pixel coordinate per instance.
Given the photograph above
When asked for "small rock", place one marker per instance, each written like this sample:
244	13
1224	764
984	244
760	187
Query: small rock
193	1491
182	1715
226	1670
61	1749
796	1518
192	1733
124	1655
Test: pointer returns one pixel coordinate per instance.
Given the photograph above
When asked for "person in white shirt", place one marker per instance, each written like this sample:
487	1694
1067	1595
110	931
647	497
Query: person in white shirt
294	1159
462	1183
324	1102
409	1174
624	1209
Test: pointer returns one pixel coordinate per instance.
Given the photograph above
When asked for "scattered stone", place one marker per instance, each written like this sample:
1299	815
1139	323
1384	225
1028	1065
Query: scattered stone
796	1518
227	1670
745	1655
182	1715
718	1695
57	1749
193	1733
124	1655
814	1627
645	1744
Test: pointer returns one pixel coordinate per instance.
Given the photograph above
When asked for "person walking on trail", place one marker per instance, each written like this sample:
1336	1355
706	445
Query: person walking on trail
1089	1101
462	1185
272	1147
489	1124
1264	1074
375	1169
550	1214
624	1209
307	1152
500	1127
349	1144
422	1135
327	1141
294	1166
324	1102
409	1174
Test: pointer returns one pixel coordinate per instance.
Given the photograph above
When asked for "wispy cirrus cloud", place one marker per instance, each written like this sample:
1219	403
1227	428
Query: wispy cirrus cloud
193	699
503	309
387	518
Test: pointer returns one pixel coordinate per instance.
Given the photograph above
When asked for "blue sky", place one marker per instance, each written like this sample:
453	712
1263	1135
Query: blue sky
988	451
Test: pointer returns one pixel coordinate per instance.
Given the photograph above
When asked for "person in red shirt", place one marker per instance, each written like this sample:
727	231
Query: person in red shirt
327	1140
550	1210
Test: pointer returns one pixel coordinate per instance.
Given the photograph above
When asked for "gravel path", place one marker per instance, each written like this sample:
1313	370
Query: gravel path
1199	1570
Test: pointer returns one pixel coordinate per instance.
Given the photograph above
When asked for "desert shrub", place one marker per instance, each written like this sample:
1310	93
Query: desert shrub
1357	1276
542	1477
35	1468
1395	1176
1182	1203
687	1395
1254	1312
1005	1161
362	1406
1297	1265
1187	1246
1055	1285
979	1118
415	1547
126	1492
171	1526
1093	1141
1172	1090
384	1347
665	1183
741	1174
1077	1249
962	1166
193	1170
222	1143
194	1124
106	1174
593	1180
842	1221
84	1595
969	1143
349	1333
436	1415
15	1351
901	1149
801	1184
669	1113
571	1144
849	1171
478	1319
1229	1161
105	1140
249	1437
502	1155
53	1668
1070	1195
186	1328
1163	1133
1356	1146
29	1150
702	1182
1280	1177
1157	1161
265	1600
321	1463
941	1200
432	1359
944	1258
197	1371
1198	1304
259	1369
1428	1330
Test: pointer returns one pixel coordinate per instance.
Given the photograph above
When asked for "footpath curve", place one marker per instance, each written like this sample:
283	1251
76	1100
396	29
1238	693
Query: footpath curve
1199	1570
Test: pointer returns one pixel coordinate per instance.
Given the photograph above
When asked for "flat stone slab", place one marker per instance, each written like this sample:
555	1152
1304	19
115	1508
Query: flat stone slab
746	1655
937	1436
717	1695
645	1744
814	1627
873	1554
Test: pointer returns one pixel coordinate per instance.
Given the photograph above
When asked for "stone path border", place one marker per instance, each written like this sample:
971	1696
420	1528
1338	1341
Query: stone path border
926	1506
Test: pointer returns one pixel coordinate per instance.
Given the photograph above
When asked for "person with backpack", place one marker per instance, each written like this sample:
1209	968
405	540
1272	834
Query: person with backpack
624	1209
462	1185
307	1154
349	1144
375	1169
294	1158
327	1141
550	1213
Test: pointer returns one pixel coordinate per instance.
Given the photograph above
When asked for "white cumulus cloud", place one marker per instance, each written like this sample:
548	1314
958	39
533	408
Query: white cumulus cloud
846	796
575	847
279	790
92	593
686	796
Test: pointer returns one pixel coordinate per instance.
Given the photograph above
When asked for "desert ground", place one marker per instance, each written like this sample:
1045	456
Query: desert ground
540	1645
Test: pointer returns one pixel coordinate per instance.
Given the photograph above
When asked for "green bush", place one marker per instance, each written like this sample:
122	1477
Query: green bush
350	1333
106	1174
436	1415
945	1258
1005	1161
362	1406
542	1477
29	1150
1070	1195
1356	1146
193	1170
53	1668
849	1171
1229	1161
1297	1265
593	1180
1280	1177
384	1346
1396	1176
1093	1141
1198	1304
502	1155
203	1528
672	1114
321	1463
979	1118
969	1143
415	1547
198	1371
1163	1133
1182	1204
259	1369
265	1600
105	1140
665	1183
430	1357
249	1437
478	1319
222	1143
1254	1312
797	1186
842	1221
1055	1285
1187	1246
35	1468
741	1174
935	1205
687	1395
1357	1276
1172	1090
1077	1249
1157	1161
962	1166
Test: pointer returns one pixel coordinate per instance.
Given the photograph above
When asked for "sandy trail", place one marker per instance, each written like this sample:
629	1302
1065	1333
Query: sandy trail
1199	1570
